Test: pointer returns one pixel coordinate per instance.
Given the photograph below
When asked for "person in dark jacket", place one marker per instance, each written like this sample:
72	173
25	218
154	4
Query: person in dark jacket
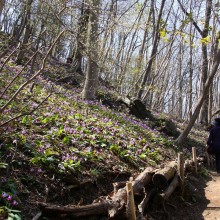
214	141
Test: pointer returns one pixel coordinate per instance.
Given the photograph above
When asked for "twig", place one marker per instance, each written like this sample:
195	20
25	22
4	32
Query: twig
24	114
189	16
38	216
34	76
10	55
16	76
145	202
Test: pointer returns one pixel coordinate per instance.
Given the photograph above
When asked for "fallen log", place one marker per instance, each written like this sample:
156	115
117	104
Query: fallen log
161	177
118	185
120	198
170	189
76	212
143	205
136	107
109	206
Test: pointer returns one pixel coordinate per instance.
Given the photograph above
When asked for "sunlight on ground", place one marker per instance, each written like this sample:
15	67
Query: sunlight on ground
212	212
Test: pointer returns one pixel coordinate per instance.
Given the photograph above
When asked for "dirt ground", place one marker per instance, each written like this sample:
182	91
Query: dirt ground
201	200
212	194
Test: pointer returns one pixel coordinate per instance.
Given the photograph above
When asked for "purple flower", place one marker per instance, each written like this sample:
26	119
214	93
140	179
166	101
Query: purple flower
4	180
4	194
39	170
32	170
14	202
9	198
88	149
23	131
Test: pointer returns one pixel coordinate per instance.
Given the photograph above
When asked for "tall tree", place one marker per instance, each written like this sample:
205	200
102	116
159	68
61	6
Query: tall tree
205	63
2	3
91	82
81	37
153	52
180	140
27	32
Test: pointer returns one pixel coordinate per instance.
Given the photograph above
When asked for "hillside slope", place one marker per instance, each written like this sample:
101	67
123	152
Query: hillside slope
69	150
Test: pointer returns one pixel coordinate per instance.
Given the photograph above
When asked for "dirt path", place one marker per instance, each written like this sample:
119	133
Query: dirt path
212	194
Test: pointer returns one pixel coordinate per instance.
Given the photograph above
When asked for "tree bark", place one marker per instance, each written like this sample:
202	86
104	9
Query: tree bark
91	83
111	206
82	26
153	52
161	177
205	63
196	112
174	183
27	33
2	4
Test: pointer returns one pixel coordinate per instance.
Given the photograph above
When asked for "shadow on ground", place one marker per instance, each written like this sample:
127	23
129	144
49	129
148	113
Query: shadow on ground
190	206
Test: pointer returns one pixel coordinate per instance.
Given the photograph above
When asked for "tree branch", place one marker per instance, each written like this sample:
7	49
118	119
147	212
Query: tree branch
189	16
34	76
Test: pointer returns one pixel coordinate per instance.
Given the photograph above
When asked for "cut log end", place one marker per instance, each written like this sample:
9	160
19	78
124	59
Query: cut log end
160	181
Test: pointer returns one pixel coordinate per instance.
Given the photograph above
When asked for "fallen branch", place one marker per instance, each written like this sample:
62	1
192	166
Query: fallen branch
27	113
143	205
161	177
34	76
118	186
110	206
167	193
77	212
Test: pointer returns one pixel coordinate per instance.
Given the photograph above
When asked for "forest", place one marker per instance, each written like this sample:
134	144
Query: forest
94	93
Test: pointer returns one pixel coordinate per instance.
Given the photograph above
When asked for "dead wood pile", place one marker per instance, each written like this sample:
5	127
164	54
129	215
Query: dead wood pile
164	182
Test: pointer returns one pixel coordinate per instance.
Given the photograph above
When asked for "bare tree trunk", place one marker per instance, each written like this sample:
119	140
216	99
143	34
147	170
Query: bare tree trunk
180	85
131	46
153	52
2	4
190	73
81	37
27	32
205	63
143	45
210	102
91	82
196	112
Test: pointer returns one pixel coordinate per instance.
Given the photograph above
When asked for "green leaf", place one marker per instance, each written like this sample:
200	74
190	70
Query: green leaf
92	119
13	210
77	116
13	188
66	140
2	209
12	216
3	165
38	143
142	156
115	149
45	120
205	40
24	119
163	33
50	152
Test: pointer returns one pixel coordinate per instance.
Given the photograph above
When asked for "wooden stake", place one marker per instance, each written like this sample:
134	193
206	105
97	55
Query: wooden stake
181	170
194	158
131	213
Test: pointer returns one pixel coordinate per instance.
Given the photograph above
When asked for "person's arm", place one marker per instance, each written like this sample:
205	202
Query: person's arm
209	142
